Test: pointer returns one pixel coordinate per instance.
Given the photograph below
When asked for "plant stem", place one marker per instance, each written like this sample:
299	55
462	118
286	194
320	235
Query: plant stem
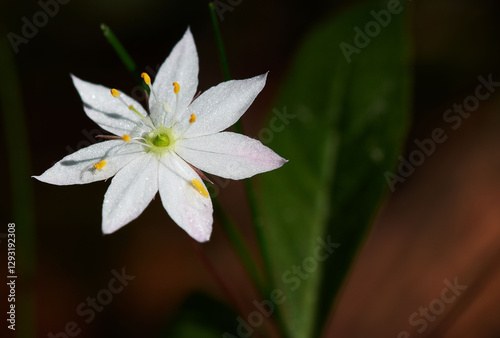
240	247
249	188
123	54
220	43
217	277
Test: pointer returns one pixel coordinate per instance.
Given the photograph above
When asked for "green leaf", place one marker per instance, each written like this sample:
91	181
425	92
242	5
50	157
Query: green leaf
345	128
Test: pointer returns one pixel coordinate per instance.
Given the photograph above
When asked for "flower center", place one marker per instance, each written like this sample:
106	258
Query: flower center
159	140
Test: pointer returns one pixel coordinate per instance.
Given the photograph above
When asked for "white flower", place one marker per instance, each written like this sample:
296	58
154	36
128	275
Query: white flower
166	150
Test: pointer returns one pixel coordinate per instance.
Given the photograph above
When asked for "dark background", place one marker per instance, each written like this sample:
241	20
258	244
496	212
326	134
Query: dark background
442	223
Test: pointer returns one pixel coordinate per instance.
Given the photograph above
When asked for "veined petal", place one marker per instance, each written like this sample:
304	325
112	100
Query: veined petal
107	111
220	107
162	114
130	192
78	168
185	204
181	66
229	155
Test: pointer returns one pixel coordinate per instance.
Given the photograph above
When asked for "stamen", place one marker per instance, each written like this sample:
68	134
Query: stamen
126	137
147	80
144	119
199	186
177	88
100	165
192	119
117	95
115	92
131	107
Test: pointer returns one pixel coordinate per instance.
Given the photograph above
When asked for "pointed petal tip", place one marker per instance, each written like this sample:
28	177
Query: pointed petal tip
204	236
108	226
202	239
74	78
263	77
42	179
106	231
201	232
187	35
278	162
260	81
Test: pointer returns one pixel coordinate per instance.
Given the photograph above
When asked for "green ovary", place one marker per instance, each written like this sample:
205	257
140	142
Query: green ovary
160	140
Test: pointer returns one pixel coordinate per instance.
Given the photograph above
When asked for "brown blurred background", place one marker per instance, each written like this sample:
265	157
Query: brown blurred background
442	223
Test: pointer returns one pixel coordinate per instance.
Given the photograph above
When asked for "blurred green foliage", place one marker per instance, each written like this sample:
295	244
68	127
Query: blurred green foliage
349	90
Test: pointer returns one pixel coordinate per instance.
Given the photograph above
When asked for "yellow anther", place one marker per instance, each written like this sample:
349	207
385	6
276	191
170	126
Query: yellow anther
199	186
193	118
100	165
132	108
126	138
115	92
176	87
146	78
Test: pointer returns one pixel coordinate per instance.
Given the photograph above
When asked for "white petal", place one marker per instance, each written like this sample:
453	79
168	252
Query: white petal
107	111
220	107
130	192
78	168
162	114
229	155
186	206
181	66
